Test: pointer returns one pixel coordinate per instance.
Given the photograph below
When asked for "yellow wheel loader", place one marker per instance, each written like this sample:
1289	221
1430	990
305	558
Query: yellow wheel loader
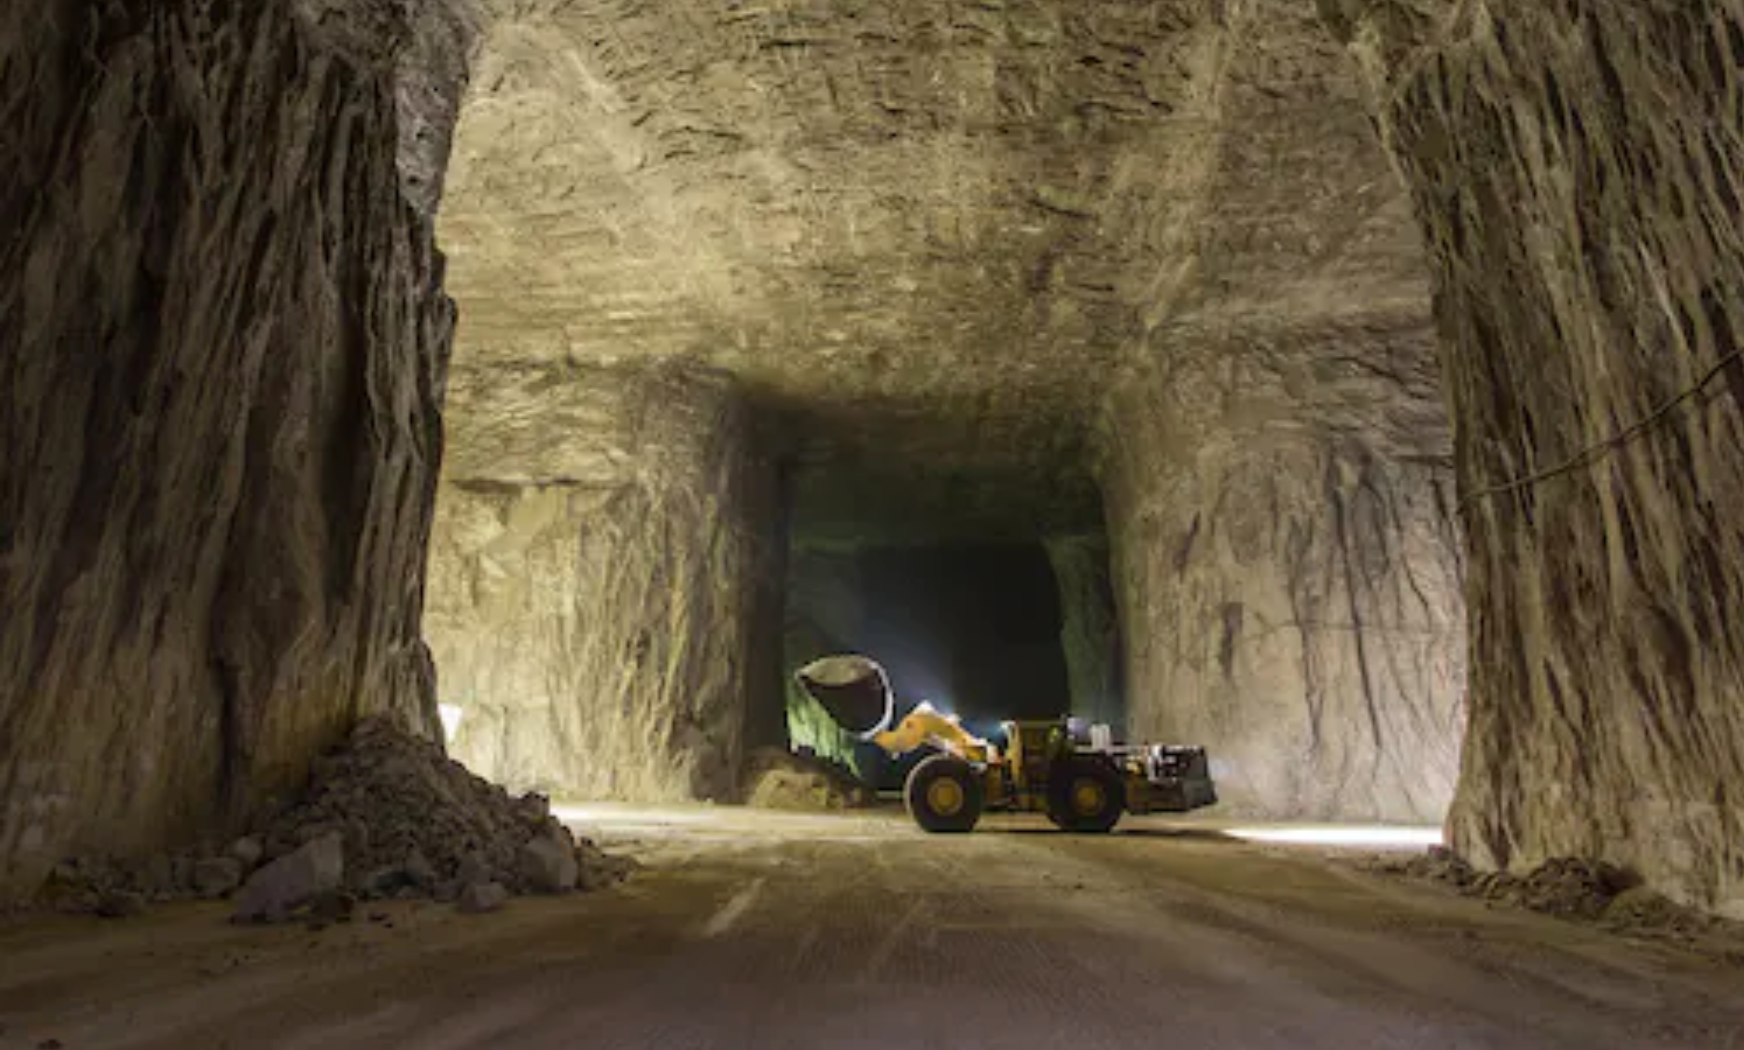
1083	781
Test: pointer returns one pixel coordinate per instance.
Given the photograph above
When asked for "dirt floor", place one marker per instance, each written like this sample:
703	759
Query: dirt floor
764	931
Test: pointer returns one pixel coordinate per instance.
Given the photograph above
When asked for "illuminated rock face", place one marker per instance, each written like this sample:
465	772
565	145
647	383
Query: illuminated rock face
1288	577
1276	460
222	340
601	568
1578	170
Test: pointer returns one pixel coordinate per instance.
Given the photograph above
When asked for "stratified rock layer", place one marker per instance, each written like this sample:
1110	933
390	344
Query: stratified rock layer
222	340
1578	170
1287	574
600	567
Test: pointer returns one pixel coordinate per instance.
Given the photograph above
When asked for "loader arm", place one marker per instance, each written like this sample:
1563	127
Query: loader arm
923	726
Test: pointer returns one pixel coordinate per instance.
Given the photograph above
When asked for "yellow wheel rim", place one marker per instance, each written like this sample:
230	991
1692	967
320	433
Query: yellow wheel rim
945	797
1088	797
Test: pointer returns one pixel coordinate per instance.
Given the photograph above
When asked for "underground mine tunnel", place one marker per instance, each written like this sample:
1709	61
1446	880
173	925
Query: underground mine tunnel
979	631
434	433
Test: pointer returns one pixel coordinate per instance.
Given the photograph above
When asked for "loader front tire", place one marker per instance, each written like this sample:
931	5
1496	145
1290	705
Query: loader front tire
944	795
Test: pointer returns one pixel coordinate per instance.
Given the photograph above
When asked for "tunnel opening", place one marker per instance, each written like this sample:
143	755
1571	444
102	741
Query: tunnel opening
966	604
973	629
976	630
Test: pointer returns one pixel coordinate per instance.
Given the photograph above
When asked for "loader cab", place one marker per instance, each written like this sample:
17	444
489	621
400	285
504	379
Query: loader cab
1031	748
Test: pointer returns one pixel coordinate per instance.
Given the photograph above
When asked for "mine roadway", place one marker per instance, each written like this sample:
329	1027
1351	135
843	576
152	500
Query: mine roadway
768	931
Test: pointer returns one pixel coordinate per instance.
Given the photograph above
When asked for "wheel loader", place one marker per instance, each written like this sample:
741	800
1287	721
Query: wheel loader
1077	775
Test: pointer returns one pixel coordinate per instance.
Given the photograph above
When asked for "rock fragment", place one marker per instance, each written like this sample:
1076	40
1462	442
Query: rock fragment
276	890
418	869
247	851
480	897
548	863
474	870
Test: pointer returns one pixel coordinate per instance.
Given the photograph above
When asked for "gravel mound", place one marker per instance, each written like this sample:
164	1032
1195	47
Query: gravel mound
384	815
1567	886
1572	888
1640	909
781	779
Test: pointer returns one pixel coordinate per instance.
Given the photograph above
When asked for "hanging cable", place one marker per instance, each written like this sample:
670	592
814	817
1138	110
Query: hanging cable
1620	438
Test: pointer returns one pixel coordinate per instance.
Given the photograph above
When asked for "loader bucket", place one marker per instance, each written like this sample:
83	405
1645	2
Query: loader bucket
853	689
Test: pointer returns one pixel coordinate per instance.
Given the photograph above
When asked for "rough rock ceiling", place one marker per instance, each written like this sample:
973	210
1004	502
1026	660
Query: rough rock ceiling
930	232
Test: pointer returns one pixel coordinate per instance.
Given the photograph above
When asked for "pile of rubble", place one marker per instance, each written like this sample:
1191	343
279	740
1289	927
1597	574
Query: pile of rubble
1568	887
782	779
385	816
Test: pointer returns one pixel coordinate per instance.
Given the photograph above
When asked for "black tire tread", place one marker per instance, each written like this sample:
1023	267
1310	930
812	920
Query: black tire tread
1060	780
915	790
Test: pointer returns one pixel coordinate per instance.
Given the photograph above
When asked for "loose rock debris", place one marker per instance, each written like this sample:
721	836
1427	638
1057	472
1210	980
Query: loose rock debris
386	815
1569	887
781	779
1573	888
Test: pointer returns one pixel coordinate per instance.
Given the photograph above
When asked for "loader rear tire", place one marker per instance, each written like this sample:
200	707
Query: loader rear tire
944	795
1085	796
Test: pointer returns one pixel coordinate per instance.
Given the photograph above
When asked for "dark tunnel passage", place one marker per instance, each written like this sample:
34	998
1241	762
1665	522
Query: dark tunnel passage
975	629
984	631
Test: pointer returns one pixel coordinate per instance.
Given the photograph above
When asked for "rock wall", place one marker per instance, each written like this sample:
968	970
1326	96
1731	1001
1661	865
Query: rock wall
222	345
1090	633
1577	167
601	562
1288	575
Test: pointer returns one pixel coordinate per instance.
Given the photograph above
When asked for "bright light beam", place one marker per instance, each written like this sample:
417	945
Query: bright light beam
610	813
1354	835
450	716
